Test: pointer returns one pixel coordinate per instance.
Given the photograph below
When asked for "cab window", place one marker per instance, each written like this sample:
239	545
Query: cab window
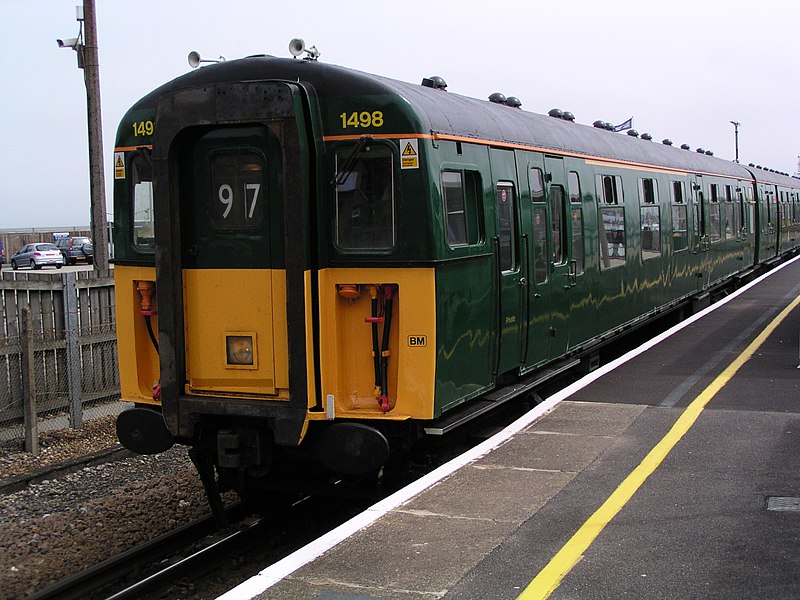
364	216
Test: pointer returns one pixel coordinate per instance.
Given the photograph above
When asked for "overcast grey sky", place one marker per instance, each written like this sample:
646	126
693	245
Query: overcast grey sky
683	70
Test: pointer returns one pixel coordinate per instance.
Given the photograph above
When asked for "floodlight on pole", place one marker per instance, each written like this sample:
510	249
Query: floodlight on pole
736	134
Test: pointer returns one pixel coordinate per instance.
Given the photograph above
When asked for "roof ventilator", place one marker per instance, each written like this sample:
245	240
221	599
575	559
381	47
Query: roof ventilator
434	82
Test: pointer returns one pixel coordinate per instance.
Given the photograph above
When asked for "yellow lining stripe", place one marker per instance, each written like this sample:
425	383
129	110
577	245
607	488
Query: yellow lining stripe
131	148
550	577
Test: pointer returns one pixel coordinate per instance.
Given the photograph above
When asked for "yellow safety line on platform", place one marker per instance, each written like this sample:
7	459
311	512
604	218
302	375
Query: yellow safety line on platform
549	578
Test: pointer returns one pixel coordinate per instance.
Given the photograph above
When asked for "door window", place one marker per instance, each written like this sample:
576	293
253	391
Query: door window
540	263
577	239
557	197
714	214
506	213
238	196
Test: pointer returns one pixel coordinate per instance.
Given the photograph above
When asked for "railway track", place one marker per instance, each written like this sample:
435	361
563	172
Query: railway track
105	575
15	483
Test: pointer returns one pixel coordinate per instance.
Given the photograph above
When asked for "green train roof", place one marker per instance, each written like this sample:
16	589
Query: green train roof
445	113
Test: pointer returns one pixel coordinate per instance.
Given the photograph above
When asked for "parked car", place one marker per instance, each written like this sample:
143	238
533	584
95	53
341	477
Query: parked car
37	255
76	248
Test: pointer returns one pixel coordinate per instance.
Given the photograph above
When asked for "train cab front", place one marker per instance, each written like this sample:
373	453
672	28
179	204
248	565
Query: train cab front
224	351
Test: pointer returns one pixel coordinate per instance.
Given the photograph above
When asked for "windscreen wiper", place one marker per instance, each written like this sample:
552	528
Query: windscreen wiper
347	168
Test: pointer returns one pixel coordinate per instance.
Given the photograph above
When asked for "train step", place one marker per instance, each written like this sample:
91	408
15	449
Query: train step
476	408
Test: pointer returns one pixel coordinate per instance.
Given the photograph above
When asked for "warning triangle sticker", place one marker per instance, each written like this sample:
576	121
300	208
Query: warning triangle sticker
409	150
119	163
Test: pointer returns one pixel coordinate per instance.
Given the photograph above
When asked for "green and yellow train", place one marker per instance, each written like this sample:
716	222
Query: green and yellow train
321	263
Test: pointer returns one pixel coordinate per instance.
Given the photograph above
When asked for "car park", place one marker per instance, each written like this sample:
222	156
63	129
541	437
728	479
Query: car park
76	248
37	255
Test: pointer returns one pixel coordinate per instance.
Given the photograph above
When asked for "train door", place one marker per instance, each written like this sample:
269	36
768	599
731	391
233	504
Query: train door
563	276
552	270
701	243
510	268
234	298
768	221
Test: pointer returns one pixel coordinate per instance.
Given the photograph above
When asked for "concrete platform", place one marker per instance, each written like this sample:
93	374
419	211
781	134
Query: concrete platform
702	524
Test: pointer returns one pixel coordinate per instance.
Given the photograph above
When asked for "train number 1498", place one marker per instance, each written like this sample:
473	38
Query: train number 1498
362	119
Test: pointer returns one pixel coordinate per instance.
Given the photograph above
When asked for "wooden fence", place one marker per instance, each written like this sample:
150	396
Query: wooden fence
66	356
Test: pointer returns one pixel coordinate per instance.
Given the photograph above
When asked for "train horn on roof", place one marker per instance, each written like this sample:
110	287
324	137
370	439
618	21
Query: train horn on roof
297	46
195	59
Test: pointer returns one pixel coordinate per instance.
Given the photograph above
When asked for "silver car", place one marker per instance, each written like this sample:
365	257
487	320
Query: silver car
37	255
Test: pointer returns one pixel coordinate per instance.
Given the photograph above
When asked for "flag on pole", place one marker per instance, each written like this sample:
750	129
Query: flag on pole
623	126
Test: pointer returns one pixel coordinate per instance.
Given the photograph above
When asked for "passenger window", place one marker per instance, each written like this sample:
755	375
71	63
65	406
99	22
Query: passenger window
455	213
611	222
680	229
648	191
141	187
365	206
463	217
650	218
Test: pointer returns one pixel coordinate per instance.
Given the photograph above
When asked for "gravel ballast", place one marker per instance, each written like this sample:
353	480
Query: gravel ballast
58	527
